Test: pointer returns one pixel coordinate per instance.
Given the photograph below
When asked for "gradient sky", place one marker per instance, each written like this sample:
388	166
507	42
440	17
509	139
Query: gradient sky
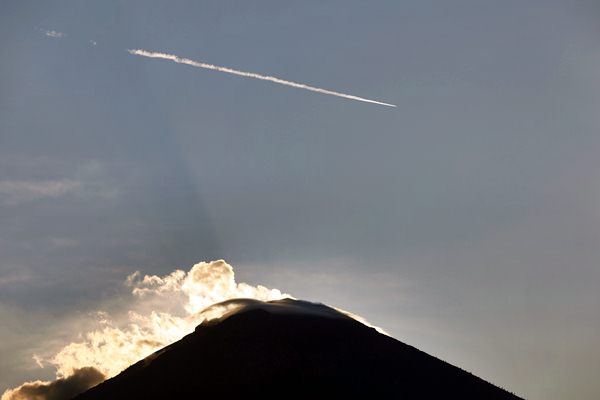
466	222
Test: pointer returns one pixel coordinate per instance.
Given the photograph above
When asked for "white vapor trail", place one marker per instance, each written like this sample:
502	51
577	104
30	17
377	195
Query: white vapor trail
197	64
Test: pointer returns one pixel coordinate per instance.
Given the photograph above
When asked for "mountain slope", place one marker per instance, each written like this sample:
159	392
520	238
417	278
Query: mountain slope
291	348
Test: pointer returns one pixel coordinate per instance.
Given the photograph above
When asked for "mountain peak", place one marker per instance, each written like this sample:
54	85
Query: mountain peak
290	348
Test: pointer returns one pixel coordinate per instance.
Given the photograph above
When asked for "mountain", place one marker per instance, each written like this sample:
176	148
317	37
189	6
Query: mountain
291	348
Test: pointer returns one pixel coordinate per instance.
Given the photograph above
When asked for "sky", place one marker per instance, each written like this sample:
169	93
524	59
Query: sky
464	222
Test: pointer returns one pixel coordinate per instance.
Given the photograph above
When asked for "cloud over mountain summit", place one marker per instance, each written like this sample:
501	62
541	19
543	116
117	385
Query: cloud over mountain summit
162	310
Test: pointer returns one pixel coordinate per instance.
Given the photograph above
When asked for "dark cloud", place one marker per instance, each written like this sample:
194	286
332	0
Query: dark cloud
60	389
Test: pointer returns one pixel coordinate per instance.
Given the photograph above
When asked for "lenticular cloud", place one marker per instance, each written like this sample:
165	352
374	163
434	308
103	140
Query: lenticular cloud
163	309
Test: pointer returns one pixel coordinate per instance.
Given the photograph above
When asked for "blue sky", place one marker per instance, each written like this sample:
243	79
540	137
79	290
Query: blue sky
465	221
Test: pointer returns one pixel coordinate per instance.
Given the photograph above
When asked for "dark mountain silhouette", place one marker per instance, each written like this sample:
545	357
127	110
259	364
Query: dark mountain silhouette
291	348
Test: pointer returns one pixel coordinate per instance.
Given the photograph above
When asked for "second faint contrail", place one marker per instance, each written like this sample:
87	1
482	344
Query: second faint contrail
198	64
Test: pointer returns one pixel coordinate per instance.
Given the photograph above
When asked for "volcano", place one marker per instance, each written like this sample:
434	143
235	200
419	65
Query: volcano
291	348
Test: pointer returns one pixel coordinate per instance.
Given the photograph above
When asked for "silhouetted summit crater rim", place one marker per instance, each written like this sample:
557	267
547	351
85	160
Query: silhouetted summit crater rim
290	348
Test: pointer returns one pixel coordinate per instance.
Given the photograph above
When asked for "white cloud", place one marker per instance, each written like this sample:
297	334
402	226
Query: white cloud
159	311
89	181
19	191
55	34
39	361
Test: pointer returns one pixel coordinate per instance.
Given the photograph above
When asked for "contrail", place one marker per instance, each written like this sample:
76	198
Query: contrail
197	64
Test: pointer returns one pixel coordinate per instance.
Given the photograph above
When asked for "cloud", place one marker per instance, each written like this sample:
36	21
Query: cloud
10	279
19	191
89	181
159	311
206	284
198	64
60	389
38	360
55	34
169	308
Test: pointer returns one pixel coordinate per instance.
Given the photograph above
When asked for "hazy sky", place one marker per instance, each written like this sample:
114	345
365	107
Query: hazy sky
466	221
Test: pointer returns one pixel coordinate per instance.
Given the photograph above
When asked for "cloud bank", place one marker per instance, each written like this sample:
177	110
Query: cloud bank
171	308
162	309
159	311
60	389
